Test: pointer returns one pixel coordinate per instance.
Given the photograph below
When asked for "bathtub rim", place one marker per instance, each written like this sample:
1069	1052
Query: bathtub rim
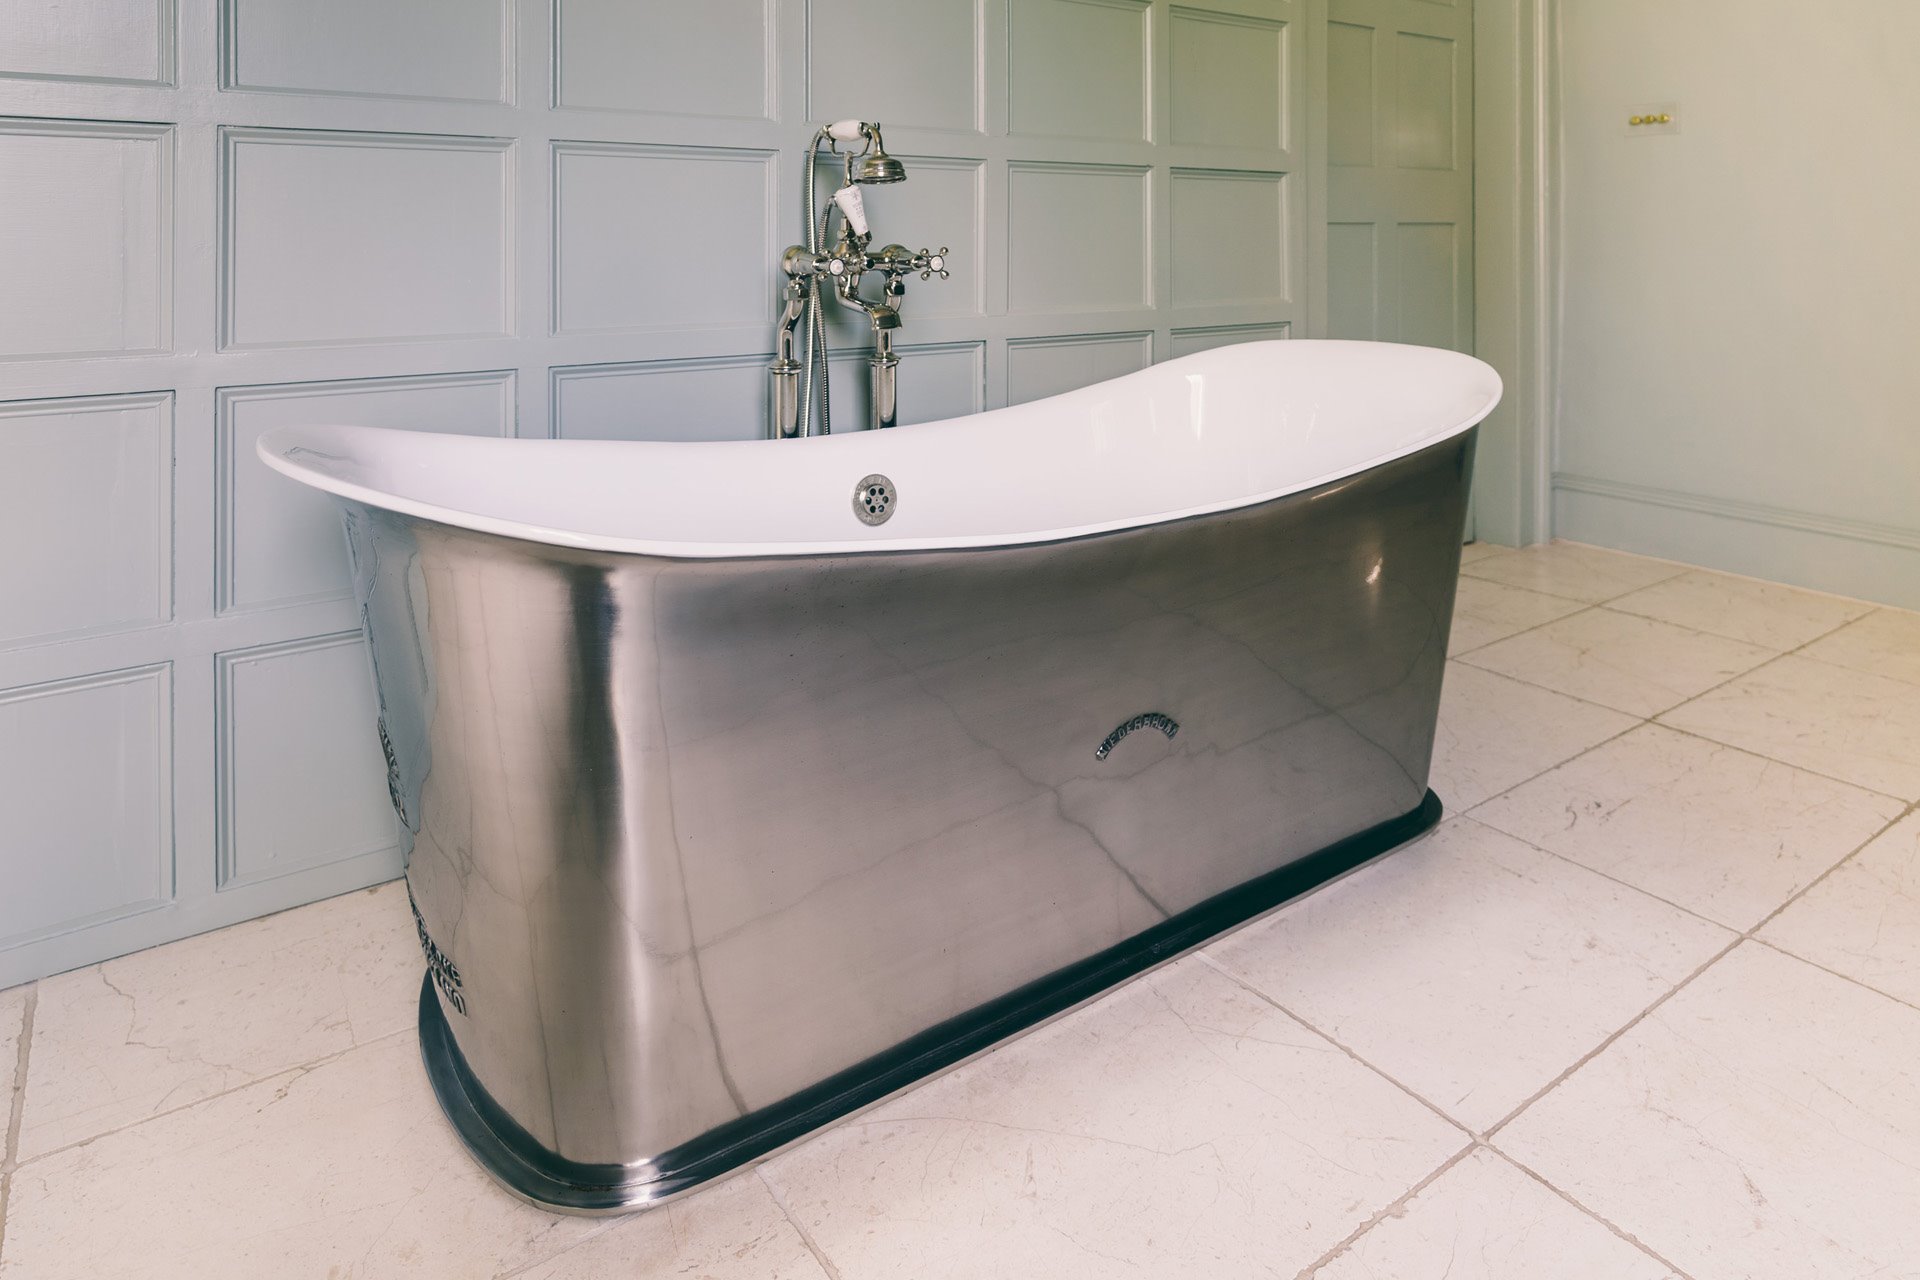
521	1165
277	446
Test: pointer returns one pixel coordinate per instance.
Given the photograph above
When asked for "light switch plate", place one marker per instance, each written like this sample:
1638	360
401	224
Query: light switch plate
1656	110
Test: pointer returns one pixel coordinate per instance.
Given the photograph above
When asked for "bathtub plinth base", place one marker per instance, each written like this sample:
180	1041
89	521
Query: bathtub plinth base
529	1170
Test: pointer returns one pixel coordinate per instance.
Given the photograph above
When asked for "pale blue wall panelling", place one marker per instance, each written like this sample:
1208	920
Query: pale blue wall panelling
503	217
297	784
1038	367
410	232
87	794
86	228
87	488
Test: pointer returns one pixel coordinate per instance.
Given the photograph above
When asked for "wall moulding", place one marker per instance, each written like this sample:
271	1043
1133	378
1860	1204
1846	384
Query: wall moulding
405	237
102	558
59	818
45	40
277	544
290	802
89	260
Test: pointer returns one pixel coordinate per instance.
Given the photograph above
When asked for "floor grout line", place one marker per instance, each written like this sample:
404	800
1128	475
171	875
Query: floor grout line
1680	570
1558	764
1912	808
1473	815
1545	688
1610	1225
1489	1133
1486	1138
1613	606
1611	600
1244	984
1740	936
1657	717
1307	1272
1858	671
1734	746
302	1068
16	1105
1744	936
1604	875
1782	949
1772	657
1515	635
1785	653
806	1236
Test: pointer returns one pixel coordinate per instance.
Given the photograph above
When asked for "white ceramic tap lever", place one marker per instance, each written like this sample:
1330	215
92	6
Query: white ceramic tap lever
847	130
852	207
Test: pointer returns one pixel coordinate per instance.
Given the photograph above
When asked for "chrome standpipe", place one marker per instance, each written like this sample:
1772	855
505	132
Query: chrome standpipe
783	404
799	386
884	374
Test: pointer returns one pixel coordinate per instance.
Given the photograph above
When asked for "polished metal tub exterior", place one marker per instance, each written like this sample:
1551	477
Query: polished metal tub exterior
706	853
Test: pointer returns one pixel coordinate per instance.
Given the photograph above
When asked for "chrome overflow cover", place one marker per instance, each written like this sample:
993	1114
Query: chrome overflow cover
874	499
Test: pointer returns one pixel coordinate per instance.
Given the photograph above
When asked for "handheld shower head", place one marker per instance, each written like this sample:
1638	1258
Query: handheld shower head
870	164
879	167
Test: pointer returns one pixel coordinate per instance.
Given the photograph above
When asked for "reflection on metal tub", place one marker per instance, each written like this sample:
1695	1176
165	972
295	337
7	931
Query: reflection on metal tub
713	843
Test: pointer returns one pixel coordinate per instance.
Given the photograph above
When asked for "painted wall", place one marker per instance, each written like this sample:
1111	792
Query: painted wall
501	217
1740	297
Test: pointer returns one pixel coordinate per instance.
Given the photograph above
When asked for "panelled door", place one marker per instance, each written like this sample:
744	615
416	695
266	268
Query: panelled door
1400	171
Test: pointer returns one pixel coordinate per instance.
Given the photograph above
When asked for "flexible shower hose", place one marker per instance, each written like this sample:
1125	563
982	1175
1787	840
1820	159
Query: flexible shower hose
816	320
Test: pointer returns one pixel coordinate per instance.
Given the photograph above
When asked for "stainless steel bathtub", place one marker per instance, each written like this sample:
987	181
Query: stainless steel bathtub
736	803
707	853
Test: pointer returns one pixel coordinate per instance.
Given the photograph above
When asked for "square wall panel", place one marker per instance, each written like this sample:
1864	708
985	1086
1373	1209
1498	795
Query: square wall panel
281	541
101	41
942	203
86	507
1350	124
720	398
1077	238
458	50
302	781
1423	115
1429	283
865	61
1353	280
1079	69
87	794
714	58
1229	80
1041	367
335	238
1188	341
1229	237
621	217
936	381
85	239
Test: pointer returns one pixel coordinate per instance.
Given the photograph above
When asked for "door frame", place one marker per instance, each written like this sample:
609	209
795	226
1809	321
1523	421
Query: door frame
1515	287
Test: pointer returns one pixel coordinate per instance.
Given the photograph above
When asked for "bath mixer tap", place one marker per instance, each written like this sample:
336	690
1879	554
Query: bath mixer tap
798	404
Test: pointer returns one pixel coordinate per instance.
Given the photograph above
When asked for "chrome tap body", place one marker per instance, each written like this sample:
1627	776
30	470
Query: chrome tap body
798	402
783	405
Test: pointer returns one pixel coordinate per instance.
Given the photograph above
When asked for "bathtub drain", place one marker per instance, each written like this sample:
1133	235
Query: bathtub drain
874	499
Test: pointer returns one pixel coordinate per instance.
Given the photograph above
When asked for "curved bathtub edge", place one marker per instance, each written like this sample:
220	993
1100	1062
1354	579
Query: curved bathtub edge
524	1167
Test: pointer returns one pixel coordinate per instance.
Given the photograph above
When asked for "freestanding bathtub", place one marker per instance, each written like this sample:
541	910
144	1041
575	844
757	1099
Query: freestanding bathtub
732	812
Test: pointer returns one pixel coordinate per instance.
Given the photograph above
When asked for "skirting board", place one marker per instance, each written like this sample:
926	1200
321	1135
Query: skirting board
1850	558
